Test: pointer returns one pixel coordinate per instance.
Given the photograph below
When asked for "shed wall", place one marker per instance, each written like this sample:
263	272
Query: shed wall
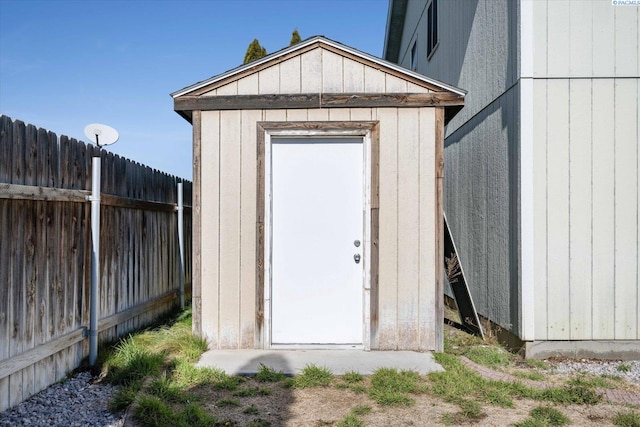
407	224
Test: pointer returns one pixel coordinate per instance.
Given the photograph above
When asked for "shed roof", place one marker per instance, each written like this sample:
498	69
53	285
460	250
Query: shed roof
221	91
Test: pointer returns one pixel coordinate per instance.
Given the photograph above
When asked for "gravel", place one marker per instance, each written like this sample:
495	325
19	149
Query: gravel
629	370
77	401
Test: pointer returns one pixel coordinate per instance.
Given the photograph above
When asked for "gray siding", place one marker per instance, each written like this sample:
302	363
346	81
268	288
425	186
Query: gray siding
478	51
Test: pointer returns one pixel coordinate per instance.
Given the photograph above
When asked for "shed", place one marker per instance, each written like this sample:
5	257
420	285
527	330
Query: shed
318	202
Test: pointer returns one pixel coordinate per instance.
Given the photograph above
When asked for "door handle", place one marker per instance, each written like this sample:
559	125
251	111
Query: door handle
356	258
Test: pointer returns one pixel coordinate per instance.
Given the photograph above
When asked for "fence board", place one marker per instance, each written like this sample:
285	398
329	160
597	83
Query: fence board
45	244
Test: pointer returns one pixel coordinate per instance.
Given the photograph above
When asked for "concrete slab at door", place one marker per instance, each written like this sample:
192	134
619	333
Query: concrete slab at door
317	215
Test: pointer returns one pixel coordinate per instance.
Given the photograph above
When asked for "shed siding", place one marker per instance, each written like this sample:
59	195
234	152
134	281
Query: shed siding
318	71
586	215
407	224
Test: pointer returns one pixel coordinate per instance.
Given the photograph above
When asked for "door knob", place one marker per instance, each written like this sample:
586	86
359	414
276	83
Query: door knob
356	258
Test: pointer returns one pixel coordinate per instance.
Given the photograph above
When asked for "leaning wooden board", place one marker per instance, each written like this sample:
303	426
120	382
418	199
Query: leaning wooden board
457	281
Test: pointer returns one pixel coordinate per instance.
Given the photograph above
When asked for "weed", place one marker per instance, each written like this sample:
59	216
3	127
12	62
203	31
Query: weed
627	419
489	356
269	375
533	376
624	367
538	364
124	397
351	421
151	411
186	374
589	381
470	411
361	410
571	394
612	377
132	362
250	392
543	416
251	410
390	387
193	416
169	391
313	376
227	403
352	377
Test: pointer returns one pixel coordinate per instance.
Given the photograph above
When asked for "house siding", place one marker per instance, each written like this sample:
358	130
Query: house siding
569	71
585	104
478	50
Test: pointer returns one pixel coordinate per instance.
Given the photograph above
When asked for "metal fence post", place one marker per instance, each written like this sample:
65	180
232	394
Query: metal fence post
181	243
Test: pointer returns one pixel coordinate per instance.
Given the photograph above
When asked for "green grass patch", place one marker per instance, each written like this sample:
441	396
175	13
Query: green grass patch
591	381
151	411
352	377
544	416
313	376
489	356
470	411
533	376
251	410
169	391
269	375
624	367
350	421
251	392
627	419
390	387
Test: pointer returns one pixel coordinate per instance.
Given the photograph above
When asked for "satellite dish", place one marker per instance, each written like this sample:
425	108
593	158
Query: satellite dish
101	134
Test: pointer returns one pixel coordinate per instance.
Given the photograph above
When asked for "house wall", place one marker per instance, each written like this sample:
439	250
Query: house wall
407	222
584	115
477	51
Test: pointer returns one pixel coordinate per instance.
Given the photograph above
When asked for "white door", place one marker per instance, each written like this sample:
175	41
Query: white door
317	217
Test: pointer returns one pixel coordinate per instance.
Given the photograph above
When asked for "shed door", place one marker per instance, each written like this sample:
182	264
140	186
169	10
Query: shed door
317	216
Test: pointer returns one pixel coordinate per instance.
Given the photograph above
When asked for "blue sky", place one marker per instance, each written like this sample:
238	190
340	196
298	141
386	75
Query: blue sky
67	63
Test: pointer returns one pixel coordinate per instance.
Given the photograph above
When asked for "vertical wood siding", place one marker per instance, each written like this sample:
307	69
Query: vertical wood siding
586	198
585	39
407	297
318	71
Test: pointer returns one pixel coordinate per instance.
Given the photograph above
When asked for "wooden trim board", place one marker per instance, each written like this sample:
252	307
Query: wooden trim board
323	100
365	129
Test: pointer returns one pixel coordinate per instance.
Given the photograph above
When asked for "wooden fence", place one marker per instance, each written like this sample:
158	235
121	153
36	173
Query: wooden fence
45	253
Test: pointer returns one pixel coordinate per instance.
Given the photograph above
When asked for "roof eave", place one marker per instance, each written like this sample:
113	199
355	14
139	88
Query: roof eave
395	28
309	42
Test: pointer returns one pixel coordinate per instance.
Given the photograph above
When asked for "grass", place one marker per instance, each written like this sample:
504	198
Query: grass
544	416
623	367
313	376
156	374
390	387
627	419
353	418
269	375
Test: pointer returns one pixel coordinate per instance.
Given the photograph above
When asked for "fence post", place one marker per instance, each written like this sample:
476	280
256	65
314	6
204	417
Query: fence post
95	260
181	243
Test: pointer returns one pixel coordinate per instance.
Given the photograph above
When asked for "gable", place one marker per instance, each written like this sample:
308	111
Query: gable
317	73
318	70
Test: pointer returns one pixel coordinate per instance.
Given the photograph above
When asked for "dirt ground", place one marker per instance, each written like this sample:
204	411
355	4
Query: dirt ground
326	406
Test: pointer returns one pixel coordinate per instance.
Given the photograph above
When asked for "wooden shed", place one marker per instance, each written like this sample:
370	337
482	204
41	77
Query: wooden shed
318	202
